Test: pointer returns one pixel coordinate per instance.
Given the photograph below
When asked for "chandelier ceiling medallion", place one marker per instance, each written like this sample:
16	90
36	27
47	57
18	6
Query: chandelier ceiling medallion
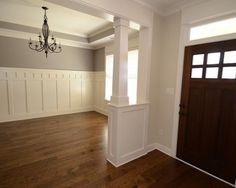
43	44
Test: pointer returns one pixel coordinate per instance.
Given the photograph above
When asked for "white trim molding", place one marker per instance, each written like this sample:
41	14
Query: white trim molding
160	147
127	133
26	36
205	172
167	151
33	93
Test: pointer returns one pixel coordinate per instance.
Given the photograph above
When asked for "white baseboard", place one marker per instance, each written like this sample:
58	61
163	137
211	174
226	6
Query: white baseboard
126	161
157	146
151	147
26	116
40	115
205	172
167	151
101	111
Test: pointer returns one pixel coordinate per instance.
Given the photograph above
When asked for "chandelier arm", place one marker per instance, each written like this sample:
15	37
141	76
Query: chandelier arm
50	47
56	50
40	50
47	47
36	49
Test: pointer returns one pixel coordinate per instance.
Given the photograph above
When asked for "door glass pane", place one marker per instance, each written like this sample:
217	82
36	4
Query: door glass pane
229	73
212	72
230	57
196	73
198	59
213	58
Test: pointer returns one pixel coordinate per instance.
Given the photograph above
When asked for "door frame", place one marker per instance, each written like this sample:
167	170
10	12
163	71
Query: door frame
183	42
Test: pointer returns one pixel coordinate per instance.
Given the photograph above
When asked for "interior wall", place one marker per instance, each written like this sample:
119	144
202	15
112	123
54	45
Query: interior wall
99	59
16	53
163	78
152	129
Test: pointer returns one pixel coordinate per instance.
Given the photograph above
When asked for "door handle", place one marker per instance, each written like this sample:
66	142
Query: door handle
183	114
181	105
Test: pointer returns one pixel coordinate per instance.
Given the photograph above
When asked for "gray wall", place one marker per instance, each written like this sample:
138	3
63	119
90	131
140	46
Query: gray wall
16	53
99	59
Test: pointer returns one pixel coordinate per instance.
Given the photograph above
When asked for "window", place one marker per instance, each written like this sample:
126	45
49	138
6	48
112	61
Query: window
213	29
132	76
109	76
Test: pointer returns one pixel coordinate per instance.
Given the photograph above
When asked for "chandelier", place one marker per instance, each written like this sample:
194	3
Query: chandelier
43	44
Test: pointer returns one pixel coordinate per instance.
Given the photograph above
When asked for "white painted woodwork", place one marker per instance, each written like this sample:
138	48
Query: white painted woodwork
120	72
127	124
106	8
127	133
99	94
30	93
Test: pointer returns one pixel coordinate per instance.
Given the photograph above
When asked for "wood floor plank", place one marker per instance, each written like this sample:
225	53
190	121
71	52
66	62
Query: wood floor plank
69	151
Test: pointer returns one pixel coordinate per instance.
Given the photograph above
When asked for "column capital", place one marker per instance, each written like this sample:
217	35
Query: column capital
120	22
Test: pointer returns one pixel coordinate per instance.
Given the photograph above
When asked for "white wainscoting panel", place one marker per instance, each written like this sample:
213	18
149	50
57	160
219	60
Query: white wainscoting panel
50	95
87	90
76	92
31	93
99	94
4	107
36	96
127	133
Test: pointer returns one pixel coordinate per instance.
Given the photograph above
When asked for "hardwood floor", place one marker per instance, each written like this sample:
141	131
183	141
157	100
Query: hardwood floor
69	151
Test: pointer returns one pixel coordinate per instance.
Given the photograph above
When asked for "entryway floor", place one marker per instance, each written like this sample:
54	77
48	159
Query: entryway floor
69	151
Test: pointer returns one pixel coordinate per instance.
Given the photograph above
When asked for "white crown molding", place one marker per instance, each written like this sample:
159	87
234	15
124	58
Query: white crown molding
176	7
33	36
105	28
157	10
171	9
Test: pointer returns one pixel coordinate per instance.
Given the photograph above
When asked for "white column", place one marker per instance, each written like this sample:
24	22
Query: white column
127	124
120	68
145	48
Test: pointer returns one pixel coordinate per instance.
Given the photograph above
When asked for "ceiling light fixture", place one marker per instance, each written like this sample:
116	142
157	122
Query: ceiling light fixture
41	45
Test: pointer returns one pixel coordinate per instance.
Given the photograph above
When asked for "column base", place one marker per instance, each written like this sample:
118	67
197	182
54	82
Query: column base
127	133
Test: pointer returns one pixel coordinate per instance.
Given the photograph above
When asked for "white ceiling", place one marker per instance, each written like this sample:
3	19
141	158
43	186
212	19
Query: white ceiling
65	20
60	19
165	7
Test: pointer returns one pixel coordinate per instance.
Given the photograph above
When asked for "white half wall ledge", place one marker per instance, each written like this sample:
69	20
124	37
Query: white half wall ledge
127	133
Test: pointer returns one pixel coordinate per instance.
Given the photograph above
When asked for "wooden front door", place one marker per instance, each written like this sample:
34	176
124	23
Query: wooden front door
207	116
